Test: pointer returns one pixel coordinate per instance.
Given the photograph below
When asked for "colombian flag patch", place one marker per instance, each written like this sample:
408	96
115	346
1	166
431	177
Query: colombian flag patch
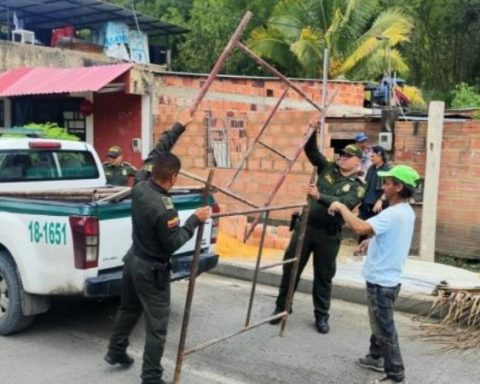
172	223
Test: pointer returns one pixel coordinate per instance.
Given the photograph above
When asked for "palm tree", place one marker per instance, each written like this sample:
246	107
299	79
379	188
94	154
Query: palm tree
358	34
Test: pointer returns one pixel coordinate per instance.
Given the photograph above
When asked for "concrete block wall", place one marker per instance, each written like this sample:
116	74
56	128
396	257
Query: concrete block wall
458	223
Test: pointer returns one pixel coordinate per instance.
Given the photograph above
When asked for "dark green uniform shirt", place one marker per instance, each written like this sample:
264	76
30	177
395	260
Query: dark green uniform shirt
118	174
333	186
156	231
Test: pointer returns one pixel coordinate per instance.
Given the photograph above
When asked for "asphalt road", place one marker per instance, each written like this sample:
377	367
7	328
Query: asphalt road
67	344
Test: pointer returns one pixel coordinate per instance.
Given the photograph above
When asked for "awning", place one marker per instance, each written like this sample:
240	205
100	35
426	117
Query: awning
42	81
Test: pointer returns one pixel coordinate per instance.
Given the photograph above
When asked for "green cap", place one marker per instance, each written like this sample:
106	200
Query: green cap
354	150
114	151
403	173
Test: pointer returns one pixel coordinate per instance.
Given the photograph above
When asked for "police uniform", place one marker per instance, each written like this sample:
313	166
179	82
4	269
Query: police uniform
323	232
156	234
118	174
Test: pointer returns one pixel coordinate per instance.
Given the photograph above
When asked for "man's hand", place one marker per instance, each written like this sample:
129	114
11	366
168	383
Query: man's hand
335	207
362	248
313	192
203	214
378	206
185	117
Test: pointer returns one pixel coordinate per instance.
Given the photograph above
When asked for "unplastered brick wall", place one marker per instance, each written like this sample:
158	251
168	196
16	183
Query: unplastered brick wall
347	93
263	169
458	222
232	98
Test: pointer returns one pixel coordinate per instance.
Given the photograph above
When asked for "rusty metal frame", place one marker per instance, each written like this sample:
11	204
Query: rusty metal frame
254	208
182	352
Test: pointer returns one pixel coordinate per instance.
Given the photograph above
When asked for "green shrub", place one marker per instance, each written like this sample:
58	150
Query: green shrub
52	131
466	96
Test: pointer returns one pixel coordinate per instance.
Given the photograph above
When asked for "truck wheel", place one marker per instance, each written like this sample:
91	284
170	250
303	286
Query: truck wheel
11	317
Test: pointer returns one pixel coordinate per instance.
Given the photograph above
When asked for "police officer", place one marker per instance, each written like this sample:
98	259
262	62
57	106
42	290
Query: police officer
156	234
335	182
116	170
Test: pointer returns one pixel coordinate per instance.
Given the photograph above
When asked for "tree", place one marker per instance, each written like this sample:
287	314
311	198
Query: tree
360	36
212	23
445	47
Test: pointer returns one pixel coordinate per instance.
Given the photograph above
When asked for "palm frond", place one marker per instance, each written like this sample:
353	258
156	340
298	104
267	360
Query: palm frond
308	51
270	44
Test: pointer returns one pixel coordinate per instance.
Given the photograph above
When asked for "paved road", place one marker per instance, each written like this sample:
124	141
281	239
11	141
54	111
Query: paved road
67	344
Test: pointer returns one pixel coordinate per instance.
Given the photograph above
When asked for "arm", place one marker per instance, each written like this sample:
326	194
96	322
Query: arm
165	144
359	226
172	235
351	198
316	158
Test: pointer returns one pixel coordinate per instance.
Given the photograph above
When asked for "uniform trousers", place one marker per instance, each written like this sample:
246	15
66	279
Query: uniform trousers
140	293
324	246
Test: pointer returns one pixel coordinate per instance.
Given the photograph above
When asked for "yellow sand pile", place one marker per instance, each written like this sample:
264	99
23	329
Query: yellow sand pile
231	248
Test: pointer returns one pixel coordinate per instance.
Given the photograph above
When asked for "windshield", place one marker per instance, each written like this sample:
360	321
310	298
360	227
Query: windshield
44	165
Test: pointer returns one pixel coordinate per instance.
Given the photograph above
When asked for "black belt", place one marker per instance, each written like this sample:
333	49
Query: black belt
151	259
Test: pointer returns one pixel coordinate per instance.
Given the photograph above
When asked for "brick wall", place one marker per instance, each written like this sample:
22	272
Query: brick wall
458	223
251	100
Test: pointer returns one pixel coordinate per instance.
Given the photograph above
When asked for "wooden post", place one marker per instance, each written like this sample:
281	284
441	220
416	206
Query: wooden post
432	174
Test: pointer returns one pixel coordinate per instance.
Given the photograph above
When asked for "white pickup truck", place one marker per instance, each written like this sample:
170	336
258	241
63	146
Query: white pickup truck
64	239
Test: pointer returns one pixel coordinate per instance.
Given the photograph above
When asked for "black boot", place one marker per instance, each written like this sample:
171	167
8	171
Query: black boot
321	323
276	312
119	358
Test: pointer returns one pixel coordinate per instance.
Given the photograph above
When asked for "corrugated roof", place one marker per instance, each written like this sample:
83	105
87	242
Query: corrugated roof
39	80
48	14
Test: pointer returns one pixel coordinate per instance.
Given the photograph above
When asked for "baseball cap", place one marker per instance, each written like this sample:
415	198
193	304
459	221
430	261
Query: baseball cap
359	137
403	173
379	150
354	150
114	151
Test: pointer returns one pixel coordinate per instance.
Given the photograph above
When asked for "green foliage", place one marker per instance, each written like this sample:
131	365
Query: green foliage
465	96
52	131
360	36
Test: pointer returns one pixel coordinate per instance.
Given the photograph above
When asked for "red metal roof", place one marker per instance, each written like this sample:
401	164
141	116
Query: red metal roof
39	80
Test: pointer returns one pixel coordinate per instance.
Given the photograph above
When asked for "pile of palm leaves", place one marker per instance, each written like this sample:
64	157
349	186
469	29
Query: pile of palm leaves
457	311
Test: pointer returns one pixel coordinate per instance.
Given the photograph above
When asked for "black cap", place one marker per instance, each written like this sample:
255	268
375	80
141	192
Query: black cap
379	150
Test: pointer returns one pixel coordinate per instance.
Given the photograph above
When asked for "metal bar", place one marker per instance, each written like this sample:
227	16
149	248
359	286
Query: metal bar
268	67
126	192
221	60
258	210
191	285
255	274
282	178
324	96
274	150
298	252
273	265
206	344
223	190
257	138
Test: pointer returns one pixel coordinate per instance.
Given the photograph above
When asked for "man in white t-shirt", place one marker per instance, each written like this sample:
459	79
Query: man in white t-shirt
391	234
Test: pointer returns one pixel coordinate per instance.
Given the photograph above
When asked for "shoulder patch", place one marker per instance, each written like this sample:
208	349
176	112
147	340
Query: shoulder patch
329	178
172	223
360	192
167	201
147	167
